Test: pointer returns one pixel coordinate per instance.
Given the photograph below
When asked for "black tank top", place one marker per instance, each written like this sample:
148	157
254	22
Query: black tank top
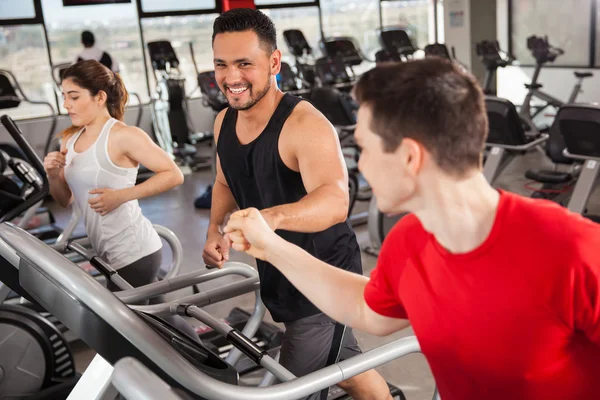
258	177
105	60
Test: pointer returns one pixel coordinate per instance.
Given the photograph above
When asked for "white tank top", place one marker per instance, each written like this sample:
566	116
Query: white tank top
124	235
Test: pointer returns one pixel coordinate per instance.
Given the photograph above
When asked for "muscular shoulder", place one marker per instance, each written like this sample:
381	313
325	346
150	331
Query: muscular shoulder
309	121
218	123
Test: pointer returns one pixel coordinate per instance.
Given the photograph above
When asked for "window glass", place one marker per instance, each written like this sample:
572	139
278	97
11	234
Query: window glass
116	31
305	19
16	9
180	31
271	2
355	18
179	5
412	15
23	52
566	23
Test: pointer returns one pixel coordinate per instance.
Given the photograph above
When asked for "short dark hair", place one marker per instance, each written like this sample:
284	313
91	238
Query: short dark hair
431	101
87	38
246	19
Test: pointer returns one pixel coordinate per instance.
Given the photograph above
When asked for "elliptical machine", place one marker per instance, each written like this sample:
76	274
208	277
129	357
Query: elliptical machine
303	53
396	45
36	362
170	112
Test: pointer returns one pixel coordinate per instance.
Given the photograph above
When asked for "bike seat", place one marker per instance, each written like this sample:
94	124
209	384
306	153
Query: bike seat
533	86
583	74
544	176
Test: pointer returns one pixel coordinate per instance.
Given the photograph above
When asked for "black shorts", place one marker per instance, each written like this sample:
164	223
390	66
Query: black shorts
314	342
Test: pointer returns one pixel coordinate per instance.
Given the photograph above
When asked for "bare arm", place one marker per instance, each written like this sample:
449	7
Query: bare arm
54	164
139	147
222	201
60	191
316	152
338	293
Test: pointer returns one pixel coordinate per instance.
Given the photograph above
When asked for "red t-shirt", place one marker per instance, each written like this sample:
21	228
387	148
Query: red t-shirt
516	318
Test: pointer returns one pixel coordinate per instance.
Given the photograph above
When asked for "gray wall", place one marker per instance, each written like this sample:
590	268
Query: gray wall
483	27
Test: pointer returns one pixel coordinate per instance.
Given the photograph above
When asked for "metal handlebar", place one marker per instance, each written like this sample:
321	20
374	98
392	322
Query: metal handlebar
17	135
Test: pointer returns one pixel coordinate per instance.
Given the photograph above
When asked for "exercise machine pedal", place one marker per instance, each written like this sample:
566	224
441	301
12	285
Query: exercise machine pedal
336	393
268	337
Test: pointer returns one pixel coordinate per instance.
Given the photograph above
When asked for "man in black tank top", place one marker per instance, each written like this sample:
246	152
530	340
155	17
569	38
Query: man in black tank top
278	154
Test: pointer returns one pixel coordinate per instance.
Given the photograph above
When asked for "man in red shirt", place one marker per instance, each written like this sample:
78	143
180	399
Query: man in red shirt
502	291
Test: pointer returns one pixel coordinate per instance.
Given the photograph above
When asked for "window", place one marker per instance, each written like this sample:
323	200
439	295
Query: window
23	52
355	18
410	14
304	18
116	30
566	23
179	5
11	9
180	31
279	2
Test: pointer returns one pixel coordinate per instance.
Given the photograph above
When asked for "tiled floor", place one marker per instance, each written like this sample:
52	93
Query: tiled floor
175	210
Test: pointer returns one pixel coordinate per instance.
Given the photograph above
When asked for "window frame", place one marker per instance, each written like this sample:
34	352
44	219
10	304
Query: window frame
37	20
592	34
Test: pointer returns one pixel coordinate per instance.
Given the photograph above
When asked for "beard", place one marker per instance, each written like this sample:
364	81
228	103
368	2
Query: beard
254	97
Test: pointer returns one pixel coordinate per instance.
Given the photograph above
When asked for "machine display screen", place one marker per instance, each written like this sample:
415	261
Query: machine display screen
397	40
342	48
296	42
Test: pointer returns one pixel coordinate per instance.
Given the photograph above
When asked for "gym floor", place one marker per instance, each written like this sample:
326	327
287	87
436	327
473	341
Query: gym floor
175	210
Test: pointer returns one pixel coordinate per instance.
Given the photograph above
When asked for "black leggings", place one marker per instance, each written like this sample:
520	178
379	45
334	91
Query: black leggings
143	272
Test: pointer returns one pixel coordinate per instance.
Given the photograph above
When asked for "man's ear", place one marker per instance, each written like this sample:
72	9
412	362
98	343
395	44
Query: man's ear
413	154
275	62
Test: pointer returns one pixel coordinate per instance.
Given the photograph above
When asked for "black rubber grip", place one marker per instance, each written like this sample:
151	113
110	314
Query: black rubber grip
99	265
246	346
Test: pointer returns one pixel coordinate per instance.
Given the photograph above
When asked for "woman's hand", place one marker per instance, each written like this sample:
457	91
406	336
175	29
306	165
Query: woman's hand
108	200
54	163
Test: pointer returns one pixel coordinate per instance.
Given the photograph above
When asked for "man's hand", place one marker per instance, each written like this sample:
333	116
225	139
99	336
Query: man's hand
216	250
249	231
107	200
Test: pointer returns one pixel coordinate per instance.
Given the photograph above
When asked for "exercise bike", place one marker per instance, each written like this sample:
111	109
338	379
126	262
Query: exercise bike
543	53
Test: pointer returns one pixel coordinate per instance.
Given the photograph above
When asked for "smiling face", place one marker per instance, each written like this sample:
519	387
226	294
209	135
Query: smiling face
244	68
81	105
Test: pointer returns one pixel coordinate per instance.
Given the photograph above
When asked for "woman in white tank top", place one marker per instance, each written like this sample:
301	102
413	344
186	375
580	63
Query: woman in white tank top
96	170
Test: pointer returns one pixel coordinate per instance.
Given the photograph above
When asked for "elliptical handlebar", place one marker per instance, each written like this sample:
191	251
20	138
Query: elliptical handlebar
35	161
